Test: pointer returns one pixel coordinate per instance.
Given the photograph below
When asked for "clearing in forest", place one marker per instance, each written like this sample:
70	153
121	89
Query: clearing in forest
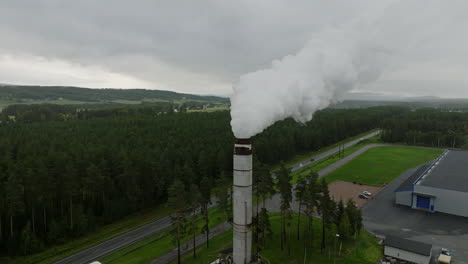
379	166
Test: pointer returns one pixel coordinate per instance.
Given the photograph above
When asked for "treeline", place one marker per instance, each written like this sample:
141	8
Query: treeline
427	127
61	179
54	112
288	138
313	196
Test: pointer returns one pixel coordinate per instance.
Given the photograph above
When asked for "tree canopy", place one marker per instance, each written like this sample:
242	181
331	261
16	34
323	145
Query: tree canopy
62	177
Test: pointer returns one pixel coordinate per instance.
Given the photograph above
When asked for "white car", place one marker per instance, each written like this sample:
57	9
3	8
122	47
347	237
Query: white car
366	193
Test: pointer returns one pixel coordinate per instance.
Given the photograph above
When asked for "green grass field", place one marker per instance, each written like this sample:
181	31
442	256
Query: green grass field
154	246
305	156
220	107
103	233
379	166
364	250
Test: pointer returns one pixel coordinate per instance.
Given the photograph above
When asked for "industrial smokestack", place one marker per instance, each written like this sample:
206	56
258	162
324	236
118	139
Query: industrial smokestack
242	197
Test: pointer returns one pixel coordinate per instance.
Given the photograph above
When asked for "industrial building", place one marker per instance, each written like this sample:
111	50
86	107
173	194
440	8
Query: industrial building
410	251
441	186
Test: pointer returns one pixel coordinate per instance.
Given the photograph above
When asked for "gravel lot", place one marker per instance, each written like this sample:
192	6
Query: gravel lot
342	190
382	217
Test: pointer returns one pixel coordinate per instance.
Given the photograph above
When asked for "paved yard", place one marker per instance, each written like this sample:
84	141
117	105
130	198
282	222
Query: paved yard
342	190
382	217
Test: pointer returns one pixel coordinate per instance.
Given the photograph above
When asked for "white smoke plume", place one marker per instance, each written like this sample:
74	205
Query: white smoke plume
330	64
336	60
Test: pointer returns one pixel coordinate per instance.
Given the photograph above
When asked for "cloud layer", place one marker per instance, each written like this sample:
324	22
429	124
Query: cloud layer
201	46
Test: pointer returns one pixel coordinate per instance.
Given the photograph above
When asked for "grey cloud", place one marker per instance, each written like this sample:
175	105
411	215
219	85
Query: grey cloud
204	43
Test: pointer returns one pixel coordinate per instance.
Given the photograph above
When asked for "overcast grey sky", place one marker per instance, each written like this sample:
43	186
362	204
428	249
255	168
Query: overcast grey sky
204	46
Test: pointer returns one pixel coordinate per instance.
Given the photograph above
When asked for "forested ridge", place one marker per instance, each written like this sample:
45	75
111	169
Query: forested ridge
427	127
62	178
94	95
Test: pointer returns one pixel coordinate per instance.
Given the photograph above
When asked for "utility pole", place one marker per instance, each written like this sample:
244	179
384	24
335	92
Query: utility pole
337	236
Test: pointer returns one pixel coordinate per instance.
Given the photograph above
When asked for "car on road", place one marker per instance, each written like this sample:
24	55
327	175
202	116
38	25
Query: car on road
362	196
445	251
366	193
312	159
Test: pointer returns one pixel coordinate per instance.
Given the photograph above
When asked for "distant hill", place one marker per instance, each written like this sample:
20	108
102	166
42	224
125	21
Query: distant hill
50	93
361	96
420	102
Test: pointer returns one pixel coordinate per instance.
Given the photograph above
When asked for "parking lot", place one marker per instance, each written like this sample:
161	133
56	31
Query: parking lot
342	190
382	217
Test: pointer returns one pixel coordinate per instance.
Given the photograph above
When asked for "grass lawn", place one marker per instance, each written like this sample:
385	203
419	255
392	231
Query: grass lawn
103	233
305	156
379	166
220	107
364	250
154	246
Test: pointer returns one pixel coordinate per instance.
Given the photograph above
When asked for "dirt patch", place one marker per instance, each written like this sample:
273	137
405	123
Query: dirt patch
342	190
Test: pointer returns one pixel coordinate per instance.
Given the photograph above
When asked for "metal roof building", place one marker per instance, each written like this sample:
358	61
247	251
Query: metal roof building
441	186
407	250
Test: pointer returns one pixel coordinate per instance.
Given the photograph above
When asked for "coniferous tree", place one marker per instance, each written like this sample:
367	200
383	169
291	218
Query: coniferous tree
265	228
300	190
326	211
223	193
340	210
265	184
355	217
344	227
14	191
177	201
71	187
284	187
194	196
2	210
205	190
312	199
30	193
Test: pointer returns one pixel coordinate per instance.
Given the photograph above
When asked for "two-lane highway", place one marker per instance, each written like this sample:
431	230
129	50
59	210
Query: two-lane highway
330	152
111	245
98	251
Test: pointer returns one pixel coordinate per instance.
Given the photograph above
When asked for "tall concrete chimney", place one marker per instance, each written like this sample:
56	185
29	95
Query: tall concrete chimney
242	197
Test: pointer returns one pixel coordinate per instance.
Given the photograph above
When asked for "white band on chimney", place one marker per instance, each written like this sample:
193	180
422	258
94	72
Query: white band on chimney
248	146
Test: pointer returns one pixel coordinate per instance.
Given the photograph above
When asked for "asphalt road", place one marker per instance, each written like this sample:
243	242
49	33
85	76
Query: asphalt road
98	251
135	235
274	202
330	152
